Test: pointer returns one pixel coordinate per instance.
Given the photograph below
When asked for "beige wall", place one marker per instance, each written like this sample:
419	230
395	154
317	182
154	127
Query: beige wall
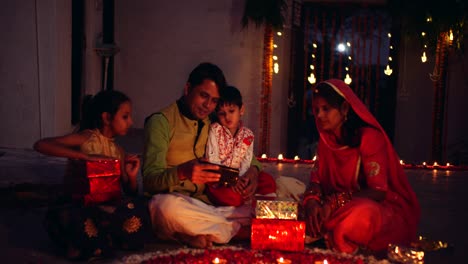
35	70
162	41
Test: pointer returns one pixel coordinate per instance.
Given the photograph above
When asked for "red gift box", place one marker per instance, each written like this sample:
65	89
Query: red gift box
104	181
279	234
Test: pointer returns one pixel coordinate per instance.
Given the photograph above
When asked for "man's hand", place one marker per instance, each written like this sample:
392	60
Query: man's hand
198	172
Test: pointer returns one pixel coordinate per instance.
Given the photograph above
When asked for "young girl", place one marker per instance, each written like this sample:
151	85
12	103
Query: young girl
88	227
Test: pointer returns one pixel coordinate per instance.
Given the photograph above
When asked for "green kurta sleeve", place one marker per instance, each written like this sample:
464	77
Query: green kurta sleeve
256	163
157	177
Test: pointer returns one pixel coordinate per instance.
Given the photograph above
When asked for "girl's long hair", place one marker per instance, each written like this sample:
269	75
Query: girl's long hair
93	106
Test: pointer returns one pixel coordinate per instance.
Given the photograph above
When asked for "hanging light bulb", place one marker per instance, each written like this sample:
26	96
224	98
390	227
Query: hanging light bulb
348	79
276	67
423	57
311	78
388	71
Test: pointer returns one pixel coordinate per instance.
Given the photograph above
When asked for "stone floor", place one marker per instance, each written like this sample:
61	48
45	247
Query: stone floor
442	195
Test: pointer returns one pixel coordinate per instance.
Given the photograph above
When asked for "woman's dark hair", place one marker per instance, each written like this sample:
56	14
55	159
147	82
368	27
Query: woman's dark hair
208	71
353	123
92	108
230	96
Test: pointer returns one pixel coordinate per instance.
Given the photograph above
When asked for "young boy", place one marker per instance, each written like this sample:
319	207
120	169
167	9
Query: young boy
230	144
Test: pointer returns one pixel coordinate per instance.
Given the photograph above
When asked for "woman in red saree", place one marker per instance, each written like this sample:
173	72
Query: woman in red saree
359	196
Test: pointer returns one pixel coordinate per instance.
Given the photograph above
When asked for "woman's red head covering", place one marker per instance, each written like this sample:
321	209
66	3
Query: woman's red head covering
332	159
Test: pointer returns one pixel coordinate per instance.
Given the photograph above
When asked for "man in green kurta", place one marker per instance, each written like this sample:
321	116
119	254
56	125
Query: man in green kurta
175	140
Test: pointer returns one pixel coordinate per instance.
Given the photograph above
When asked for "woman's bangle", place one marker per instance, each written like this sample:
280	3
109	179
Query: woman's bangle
338	200
311	197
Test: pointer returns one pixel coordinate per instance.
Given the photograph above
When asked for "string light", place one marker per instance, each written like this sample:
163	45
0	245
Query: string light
279	33
276	67
348	79
388	71
423	57
312	78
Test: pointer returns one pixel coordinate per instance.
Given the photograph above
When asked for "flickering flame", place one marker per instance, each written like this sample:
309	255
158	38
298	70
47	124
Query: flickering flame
282	260
388	71
423	57
348	79
219	261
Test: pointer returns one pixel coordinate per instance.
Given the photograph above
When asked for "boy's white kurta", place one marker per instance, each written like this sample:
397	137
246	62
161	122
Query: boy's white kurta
235	151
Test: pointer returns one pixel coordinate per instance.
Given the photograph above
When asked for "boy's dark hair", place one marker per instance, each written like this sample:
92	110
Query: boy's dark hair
208	71
351	127
230	96
105	101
